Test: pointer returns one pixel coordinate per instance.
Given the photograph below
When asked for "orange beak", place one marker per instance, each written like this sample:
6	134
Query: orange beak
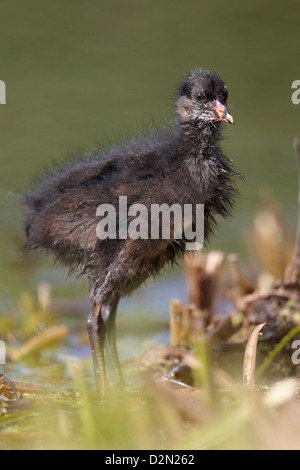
221	113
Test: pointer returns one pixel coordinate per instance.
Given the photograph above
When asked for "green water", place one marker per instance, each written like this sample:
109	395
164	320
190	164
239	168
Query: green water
80	73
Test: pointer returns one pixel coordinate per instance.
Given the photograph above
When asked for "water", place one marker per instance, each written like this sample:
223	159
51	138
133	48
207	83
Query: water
84	73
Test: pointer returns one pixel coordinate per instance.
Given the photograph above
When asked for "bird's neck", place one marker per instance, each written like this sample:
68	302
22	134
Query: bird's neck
198	137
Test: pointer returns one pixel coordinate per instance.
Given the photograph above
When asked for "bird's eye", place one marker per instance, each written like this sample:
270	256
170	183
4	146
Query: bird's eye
198	96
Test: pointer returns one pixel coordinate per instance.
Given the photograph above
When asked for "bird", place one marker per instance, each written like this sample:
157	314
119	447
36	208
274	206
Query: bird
180	163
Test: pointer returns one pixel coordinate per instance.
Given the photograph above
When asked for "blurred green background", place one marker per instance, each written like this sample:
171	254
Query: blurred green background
81	73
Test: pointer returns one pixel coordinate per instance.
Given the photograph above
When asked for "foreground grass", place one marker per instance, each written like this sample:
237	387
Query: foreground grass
157	413
61	410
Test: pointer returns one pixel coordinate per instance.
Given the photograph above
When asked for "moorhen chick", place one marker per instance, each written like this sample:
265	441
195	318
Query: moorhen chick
181	165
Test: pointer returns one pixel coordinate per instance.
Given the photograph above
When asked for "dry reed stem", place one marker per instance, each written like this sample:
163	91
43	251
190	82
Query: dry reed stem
250	358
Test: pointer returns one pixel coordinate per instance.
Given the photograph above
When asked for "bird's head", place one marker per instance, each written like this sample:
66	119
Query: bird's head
202	99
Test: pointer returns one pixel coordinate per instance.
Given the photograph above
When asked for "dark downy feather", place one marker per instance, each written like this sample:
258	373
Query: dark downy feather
182	165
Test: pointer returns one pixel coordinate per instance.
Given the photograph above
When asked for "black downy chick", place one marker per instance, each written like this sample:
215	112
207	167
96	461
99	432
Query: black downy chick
182	165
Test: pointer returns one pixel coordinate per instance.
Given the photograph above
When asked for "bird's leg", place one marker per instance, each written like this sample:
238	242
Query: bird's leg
108	314
97	332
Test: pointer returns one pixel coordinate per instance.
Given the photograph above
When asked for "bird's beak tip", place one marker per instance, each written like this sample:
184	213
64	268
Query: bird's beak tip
230	119
221	113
